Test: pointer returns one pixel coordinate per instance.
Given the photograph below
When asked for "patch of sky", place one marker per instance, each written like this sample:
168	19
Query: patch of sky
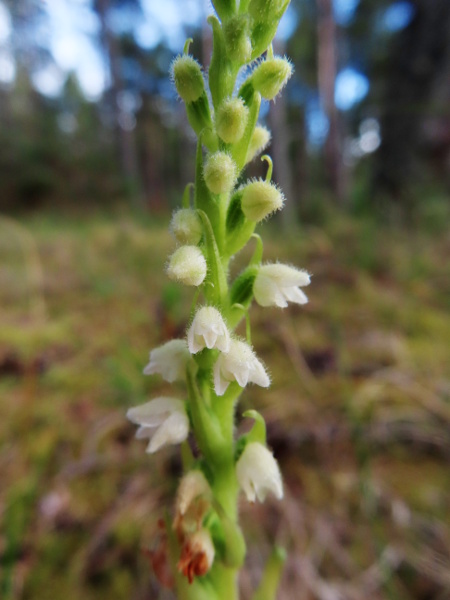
288	24
5	24
317	124
351	87
49	81
397	16
344	11
7	68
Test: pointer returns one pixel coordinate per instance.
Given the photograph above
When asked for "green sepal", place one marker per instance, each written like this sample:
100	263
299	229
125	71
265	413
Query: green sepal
241	291
238	228
268	586
222	72
199	117
264	29
224	8
206	425
239	151
203	199
215	275
186	201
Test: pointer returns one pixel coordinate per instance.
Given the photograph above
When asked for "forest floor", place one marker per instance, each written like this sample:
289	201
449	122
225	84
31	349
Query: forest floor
358	413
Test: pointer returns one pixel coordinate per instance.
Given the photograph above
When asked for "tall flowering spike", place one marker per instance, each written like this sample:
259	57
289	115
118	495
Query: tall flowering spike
188	78
169	360
277	284
239	364
186	226
260	199
270	76
258	142
258	473
220	173
187	265
208	330
167	416
197	555
231	120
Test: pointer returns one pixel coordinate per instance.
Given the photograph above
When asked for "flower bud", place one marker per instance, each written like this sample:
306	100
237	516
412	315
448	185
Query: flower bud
188	78
277	284
260	199
264	9
220	172
237	39
260	139
186	226
258	473
231	120
187	265
270	76
197	555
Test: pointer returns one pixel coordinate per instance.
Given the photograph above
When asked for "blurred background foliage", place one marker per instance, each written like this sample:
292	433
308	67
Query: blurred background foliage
95	151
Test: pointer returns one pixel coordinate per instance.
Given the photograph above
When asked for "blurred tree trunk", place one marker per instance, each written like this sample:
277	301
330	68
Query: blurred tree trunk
126	143
327	67
416	59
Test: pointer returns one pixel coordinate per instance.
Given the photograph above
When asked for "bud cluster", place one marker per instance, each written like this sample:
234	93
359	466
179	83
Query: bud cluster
204	544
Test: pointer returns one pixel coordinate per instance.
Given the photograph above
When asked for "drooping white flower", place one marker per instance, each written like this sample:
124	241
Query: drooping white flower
258	473
239	364
169	360
208	330
167	415
277	284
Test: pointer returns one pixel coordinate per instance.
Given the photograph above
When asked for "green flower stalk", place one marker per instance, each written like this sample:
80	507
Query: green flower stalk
202	548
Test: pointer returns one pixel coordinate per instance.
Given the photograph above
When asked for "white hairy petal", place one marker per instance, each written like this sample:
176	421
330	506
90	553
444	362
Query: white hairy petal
173	430
239	364
277	284
169	360
208	330
258	473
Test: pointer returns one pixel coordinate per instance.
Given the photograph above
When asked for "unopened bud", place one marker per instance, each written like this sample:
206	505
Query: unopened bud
187	265
231	120
186	226
220	172
270	76
260	199
264	9
237	39
188	78
259	141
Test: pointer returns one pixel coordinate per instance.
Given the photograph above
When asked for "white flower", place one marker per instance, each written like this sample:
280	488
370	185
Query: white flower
167	415
276	285
239	364
208	330
169	360
258	473
187	265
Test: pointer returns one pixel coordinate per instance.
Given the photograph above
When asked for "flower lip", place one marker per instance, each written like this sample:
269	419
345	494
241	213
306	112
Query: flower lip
167	415
258	473
239	364
277	284
208	329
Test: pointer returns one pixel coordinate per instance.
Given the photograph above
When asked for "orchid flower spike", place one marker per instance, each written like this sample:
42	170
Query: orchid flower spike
239	364
167	415
277	284
169	360
258	473
208	330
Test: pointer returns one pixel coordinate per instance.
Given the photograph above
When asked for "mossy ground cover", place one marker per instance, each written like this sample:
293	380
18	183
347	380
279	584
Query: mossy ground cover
358	412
